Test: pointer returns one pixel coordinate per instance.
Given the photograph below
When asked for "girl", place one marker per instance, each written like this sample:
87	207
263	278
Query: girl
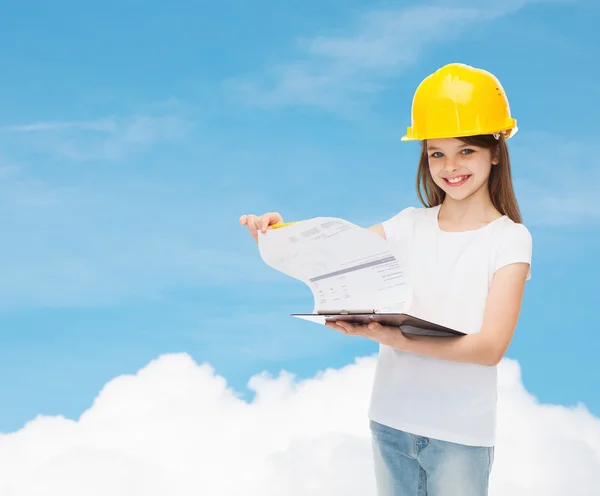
433	405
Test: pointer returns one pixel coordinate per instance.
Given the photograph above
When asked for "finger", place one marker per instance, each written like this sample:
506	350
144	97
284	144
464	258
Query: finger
347	326
252	223
243	220
361	330
274	218
333	325
252	227
377	327
265	221
270	218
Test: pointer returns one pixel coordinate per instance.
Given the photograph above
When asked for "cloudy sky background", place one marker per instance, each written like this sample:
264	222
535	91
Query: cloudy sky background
136	316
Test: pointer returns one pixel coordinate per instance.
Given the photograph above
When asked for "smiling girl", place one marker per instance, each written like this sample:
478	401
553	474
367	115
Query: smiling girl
433	405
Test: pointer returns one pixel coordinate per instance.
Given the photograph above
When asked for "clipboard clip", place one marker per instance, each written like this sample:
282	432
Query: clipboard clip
346	312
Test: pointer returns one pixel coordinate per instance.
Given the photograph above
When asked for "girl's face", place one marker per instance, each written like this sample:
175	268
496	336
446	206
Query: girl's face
458	168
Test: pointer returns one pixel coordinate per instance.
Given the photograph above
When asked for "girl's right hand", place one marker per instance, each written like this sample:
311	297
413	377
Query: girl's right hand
262	222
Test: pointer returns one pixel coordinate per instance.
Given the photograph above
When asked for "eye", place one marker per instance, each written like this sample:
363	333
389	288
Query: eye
437	155
467	151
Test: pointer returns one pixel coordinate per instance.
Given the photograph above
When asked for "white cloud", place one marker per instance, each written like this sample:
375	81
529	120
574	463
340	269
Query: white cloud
107	125
109	139
332	71
175	428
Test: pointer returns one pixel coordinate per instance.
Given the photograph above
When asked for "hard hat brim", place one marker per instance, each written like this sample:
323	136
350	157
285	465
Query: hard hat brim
508	133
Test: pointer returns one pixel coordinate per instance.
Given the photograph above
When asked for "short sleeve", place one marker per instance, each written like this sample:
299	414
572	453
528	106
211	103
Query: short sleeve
515	247
397	227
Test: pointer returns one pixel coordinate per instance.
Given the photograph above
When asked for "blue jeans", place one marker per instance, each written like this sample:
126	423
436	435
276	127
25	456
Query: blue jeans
410	465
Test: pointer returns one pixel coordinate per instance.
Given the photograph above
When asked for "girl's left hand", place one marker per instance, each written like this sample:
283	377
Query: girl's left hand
390	336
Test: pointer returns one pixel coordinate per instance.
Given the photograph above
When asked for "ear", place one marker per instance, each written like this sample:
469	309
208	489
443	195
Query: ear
495	154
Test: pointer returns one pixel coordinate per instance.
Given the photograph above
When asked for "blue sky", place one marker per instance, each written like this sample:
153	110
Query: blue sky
133	135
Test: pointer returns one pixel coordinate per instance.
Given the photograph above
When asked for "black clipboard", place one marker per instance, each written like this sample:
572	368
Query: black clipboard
407	323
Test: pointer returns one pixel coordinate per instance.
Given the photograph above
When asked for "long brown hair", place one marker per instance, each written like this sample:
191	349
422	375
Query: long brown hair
499	184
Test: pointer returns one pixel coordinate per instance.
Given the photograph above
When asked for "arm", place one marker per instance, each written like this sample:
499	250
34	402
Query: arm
484	348
500	320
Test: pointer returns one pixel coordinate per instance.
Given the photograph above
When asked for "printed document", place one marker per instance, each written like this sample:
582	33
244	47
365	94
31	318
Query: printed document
347	267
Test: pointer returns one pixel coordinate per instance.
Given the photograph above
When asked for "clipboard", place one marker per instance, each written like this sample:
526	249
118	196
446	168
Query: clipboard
340	261
408	324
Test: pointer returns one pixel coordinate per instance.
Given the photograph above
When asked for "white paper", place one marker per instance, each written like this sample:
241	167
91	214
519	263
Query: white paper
345	266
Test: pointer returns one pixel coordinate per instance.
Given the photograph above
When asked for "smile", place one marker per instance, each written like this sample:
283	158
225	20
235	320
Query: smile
456	181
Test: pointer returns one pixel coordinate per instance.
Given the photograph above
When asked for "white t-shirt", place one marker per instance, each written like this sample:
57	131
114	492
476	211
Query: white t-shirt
450	274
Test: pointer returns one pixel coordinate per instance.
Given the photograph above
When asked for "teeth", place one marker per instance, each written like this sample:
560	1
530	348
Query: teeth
456	179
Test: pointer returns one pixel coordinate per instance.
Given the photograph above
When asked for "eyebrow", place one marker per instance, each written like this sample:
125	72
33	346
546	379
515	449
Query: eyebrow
431	148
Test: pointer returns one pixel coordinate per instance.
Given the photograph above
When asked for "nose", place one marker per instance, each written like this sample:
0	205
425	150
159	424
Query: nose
451	165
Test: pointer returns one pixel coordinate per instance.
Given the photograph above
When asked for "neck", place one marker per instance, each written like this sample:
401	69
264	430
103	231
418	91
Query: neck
475	210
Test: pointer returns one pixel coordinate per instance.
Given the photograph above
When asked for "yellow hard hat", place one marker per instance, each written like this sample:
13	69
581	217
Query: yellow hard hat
460	100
